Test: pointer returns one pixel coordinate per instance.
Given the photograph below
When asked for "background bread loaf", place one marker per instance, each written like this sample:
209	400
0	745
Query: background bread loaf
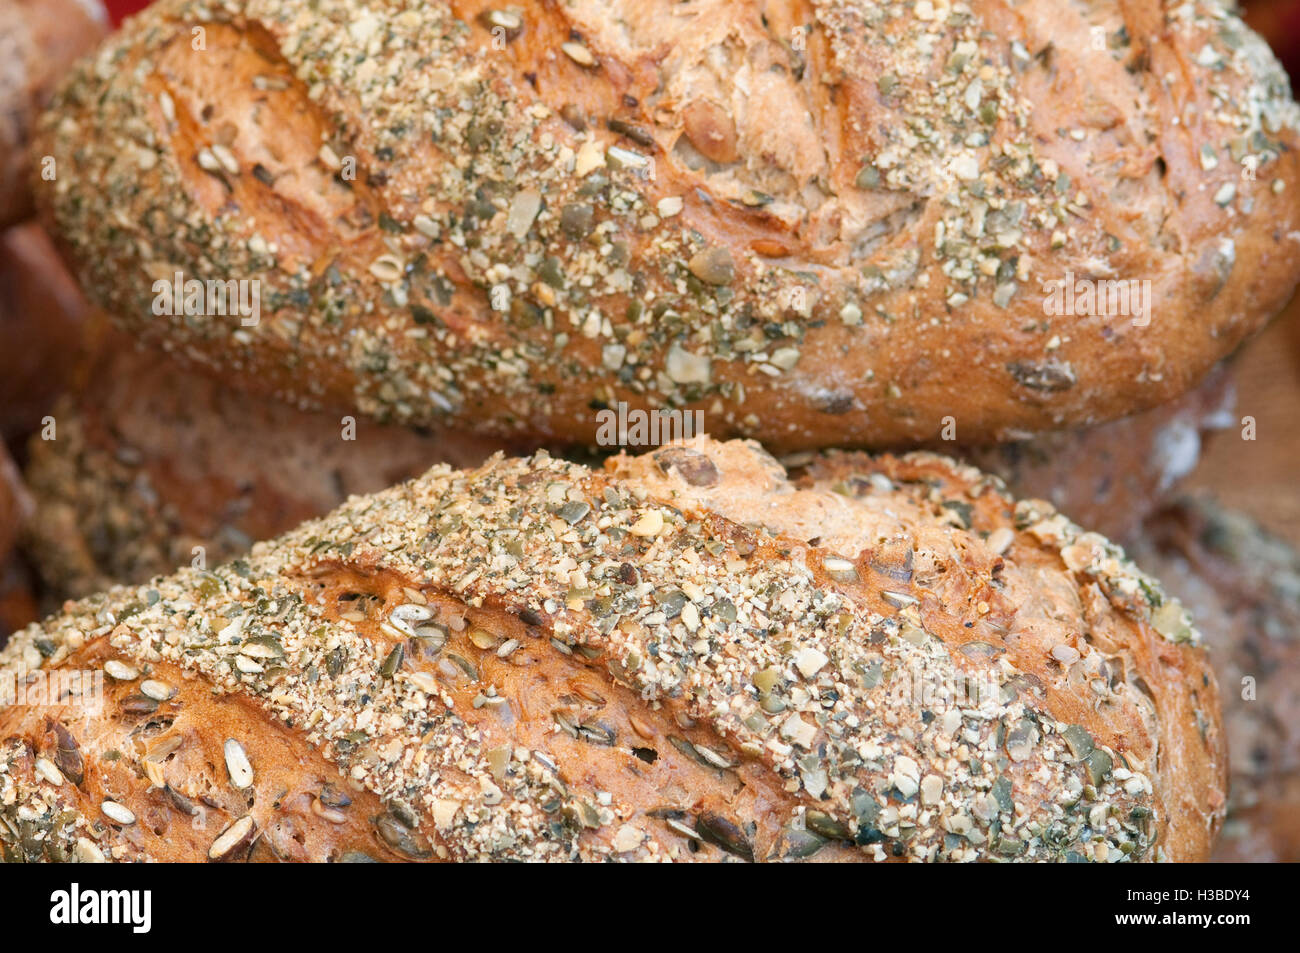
38	39
156	467
821	225
684	656
1243	587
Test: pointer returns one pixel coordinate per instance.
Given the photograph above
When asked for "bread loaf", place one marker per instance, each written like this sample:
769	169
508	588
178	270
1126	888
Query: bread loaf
38	39
683	656
42	329
1243	586
832	224
155	467
17	605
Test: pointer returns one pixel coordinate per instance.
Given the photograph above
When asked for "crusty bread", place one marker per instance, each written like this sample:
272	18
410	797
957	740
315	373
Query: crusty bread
684	656
42	329
156	467
38	39
827	224
1243	587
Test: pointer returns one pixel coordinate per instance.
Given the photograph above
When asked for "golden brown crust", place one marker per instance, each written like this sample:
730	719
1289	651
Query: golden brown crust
155	466
684	656
1243	587
38	40
906	182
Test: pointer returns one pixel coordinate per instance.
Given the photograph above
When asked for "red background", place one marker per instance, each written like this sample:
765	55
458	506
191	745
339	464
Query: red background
1277	20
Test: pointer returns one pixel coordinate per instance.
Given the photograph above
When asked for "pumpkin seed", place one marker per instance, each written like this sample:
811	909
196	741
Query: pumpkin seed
1079	741
827	826
713	266
720	832
397	836
799	844
393	662
67	755
1099	765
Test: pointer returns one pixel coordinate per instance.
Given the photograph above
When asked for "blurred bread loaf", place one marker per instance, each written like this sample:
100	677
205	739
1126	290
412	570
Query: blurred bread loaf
1243	587
38	40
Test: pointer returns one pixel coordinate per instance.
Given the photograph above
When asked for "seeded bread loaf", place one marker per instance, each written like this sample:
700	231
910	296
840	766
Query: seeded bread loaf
156	467
822	225
38	39
1243	586
683	656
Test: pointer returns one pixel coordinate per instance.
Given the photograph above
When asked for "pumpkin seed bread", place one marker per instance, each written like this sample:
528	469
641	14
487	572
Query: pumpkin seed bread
38	41
682	656
823	224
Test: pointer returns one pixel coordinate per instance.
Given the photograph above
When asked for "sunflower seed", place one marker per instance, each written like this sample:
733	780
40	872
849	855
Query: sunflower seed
841	570
237	764
333	815
387	268
117	813
229	841
46	769
159	691
898	600
120	671
579	54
